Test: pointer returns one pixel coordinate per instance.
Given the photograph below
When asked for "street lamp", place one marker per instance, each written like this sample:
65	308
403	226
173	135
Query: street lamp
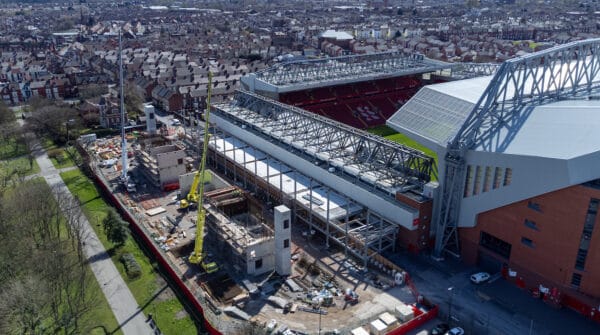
451	293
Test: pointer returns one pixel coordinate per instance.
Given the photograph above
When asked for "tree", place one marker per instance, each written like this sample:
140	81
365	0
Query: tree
64	24
92	91
119	234
51	119
44	274
8	127
6	115
133	100
115	228
22	307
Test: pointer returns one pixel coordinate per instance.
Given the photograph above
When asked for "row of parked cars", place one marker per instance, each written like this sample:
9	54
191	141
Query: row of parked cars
444	329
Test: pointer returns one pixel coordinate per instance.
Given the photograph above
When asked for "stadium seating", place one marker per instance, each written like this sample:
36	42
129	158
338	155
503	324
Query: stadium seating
296	98
322	94
344	91
361	105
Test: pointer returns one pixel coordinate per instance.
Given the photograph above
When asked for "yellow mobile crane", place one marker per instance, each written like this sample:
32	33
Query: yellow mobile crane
197	256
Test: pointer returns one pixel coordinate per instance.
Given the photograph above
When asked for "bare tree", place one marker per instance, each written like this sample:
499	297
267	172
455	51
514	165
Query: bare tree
43	268
22	310
54	120
92	91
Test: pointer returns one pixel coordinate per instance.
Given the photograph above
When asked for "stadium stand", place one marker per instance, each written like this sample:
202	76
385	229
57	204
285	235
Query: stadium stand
361	105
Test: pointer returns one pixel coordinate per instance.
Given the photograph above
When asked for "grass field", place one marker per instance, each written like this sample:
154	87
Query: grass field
149	289
392	135
68	158
61	157
20	163
12	149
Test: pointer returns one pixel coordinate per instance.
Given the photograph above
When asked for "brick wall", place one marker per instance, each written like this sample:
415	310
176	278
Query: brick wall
555	227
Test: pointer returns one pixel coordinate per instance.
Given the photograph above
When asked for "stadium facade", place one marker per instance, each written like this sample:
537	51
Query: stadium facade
520	168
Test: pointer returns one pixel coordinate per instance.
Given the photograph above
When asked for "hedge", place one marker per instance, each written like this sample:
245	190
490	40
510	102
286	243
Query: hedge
133	269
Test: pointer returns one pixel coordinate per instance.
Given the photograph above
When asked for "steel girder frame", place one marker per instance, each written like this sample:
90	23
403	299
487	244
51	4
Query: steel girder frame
392	160
344	66
372	233
469	70
520	84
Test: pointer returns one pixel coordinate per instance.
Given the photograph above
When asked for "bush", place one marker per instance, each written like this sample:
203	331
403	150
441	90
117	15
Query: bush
57	154
132	267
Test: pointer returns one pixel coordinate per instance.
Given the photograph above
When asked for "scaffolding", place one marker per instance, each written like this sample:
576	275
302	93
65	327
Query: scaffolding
361	232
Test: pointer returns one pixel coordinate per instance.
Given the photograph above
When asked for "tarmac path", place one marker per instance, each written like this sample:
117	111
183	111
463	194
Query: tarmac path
126	310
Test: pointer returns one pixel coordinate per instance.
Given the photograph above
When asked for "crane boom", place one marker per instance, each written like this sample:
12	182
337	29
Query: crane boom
192	196
197	257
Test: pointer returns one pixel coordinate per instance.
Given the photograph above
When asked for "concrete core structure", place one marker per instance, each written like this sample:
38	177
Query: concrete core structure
283	235
150	119
238	226
162	164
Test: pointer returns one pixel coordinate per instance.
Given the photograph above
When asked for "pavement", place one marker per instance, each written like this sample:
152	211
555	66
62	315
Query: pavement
495	308
126	310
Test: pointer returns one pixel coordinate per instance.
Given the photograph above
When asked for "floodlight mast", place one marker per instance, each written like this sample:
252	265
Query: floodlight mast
122	103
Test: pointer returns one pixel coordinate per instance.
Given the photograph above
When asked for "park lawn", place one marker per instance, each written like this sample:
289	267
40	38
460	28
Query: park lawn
143	288
101	319
22	163
69	157
392	135
11	149
48	143
61	157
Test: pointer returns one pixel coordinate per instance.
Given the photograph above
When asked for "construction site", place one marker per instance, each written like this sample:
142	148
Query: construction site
289	253
268	226
273	212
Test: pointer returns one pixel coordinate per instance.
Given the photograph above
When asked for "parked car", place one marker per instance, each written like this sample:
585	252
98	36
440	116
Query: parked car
440	329
175	122
456	331
480	277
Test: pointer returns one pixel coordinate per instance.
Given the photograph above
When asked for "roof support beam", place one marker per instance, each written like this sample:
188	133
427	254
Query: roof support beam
566	71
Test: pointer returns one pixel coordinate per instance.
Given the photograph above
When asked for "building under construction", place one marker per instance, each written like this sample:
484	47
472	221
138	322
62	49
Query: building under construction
358	191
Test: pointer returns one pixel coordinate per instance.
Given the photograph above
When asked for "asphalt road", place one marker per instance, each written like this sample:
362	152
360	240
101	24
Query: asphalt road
493	308
126	310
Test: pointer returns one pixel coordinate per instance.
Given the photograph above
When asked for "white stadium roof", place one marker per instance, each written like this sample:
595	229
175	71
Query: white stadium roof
562	130
435	115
